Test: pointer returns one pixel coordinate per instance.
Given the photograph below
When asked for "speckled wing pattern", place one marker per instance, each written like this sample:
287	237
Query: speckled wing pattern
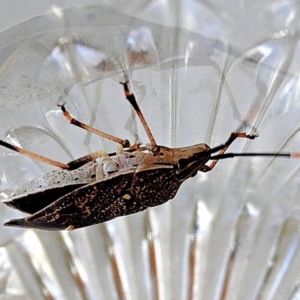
155	187
101	201
88	205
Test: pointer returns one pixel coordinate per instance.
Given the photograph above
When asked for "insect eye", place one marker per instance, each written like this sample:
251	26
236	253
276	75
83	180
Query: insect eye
182	164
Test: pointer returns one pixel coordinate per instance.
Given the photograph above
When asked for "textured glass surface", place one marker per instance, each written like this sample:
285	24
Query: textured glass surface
199	70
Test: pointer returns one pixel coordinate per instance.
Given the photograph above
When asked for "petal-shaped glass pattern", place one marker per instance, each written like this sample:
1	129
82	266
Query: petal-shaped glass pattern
199	70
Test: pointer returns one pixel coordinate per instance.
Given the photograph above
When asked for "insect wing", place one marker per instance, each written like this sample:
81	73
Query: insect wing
33	202
92	204
156	186
37	194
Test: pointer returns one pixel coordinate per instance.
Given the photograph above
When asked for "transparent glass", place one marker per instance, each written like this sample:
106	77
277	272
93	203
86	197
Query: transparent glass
199	70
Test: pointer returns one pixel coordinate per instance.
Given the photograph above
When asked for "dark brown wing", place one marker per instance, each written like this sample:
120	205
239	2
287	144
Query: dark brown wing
155	187
88	205
33	202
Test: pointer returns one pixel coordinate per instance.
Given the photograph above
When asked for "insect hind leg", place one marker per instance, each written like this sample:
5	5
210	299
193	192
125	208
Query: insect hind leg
223	148
34	155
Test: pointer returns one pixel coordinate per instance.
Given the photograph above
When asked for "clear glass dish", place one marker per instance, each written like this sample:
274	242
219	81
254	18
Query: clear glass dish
199	71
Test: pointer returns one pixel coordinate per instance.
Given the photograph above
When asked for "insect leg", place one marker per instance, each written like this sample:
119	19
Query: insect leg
131	98
124	143
34	155
70	165
222	148
74	164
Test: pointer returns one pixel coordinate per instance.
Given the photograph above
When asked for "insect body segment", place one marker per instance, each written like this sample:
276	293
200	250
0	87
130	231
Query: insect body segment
99	186
121	185
58	183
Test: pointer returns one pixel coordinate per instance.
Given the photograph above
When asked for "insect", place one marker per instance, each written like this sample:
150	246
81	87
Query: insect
99	187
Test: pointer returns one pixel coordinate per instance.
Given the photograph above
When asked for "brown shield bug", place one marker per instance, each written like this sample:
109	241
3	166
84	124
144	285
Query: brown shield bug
100	186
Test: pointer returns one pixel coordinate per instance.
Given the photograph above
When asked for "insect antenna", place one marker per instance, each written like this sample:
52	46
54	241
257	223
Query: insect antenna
222	148
261	154
233	136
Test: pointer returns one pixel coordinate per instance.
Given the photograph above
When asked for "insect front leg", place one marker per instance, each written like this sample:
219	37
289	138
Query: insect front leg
222	148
